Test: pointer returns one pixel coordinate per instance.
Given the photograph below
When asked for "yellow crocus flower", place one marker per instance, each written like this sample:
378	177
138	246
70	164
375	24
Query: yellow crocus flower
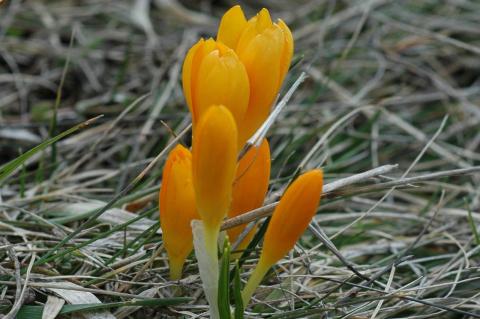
213	75
289	220
266	49
249	188
177	208
214	162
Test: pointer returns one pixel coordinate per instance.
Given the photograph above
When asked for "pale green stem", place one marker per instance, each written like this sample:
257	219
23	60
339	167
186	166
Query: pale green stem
211	239
208	265
255	279
176	267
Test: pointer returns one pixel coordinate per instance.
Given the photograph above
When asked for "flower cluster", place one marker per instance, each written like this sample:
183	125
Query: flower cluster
230	85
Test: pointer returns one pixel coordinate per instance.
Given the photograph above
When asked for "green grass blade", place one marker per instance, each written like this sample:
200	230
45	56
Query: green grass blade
223	283
254	242
237	293
471	221
8	168
120	227
34	312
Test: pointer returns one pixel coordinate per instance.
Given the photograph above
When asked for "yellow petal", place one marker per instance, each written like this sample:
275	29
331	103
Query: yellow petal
263	20
255	26
223	80
231	26
250	187
287	51
266	49
177	208
261	57
190	72
292	216
214	161
213	74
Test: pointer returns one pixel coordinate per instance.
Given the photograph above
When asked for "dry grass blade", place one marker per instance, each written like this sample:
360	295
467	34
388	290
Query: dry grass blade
52	307
387	107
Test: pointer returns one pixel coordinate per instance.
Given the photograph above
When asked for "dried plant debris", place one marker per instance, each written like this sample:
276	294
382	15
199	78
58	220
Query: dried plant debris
389	109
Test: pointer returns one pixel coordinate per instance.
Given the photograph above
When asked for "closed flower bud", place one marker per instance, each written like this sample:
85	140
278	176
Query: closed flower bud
249	188
214	162
213	75
266	49
289	220
292	215
177	208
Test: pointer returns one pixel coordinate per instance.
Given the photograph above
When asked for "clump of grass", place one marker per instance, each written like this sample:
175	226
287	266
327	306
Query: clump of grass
397	241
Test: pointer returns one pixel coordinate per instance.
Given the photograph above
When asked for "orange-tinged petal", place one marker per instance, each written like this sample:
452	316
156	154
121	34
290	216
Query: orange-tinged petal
292	215
287	51
190	72
177	208
214	161
213	74
255	26
250	187
261	57
231	26
263	20
188	69
223	80
266	49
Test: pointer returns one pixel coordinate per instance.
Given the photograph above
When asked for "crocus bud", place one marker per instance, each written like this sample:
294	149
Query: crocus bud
177	208
249	188
289	220
213	75
266	49
214	162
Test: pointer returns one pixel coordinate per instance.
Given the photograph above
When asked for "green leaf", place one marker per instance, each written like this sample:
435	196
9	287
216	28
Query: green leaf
237	293
35	312
8	168
223	283
471	221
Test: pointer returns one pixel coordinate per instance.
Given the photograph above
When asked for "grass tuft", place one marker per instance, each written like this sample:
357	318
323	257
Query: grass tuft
389	109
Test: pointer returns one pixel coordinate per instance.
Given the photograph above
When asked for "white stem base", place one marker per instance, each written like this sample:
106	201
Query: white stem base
207	266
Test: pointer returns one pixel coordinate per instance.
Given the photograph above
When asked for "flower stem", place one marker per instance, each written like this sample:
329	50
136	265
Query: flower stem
176	267
211	239
205	243
254	280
